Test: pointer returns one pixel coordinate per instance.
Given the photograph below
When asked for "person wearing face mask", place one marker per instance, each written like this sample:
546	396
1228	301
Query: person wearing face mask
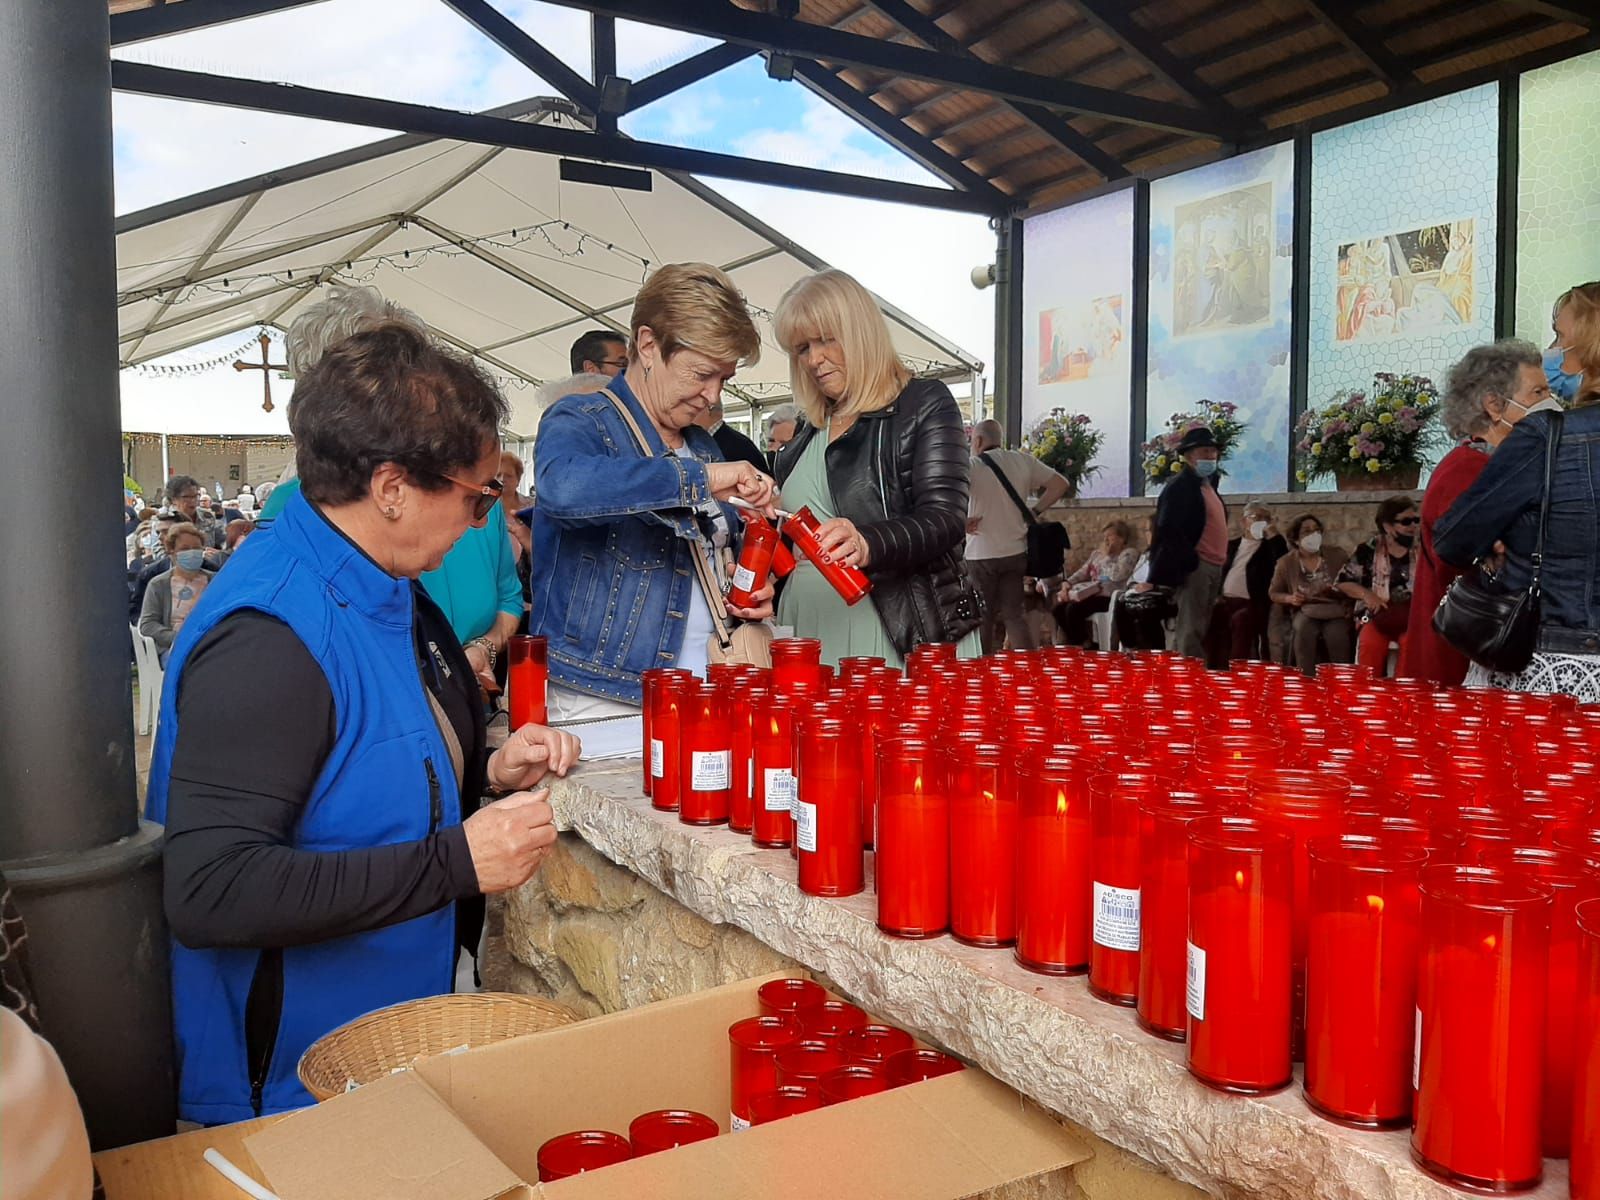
1191	540
1575	321
1488	392
1303	583
1240	617
1378	578
171	596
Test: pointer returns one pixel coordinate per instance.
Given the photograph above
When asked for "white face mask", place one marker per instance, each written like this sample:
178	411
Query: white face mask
1311	543
1258	530
1548	404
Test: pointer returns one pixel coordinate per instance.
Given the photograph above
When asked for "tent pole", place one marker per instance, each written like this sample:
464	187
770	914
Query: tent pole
85	872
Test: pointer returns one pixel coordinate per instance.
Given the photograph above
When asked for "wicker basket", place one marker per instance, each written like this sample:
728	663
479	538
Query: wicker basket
380	1042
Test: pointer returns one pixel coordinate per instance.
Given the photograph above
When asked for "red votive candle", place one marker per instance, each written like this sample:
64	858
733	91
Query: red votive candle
772	750
1164	909
1115	798
748	698
913	1066
828	808
1053	885
830	1019
674	697
1240	883
1361	979
983	846
796	660
752	1065
788	997
527	673
912	874
705	789
754	567
1585	1166
850	582
668	1128
876	1043
809	1060
875	722
853	1080
583	1150
787	1101
1480	1016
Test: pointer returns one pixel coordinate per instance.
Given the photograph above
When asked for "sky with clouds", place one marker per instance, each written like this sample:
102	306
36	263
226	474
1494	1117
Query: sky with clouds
421	51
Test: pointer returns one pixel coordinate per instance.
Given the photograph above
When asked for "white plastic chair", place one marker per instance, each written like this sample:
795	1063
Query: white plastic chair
1104	625
151	677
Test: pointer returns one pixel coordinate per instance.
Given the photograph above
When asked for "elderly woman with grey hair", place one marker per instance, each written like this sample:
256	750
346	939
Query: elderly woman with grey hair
1489	390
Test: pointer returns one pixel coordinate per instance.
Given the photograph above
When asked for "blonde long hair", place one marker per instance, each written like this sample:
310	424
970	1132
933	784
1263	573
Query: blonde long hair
1583	304
832	304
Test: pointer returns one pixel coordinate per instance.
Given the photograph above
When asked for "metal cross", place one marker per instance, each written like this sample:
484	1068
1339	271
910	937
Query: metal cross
266	367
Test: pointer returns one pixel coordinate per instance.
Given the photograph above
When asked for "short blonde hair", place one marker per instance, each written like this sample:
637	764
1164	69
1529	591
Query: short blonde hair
1584	302
695	306
180	530
832	304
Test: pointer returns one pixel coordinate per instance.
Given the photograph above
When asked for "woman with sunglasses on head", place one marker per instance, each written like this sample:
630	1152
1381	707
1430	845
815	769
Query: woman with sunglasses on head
1378	578
319	861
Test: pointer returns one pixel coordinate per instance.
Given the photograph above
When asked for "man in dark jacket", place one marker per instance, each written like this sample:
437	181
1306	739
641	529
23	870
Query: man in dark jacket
1240	617
1191	541
734	445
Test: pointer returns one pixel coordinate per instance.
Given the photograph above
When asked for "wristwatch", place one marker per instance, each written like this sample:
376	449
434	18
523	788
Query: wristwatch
488	649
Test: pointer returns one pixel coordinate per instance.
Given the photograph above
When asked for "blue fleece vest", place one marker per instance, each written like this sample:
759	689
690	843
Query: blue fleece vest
388	780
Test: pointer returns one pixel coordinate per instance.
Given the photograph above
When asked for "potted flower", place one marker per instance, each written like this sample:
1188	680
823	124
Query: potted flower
1369	440
1160	453
1066	443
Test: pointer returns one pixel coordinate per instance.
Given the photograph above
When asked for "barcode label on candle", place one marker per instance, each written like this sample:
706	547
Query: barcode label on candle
1416	1054
736	1123
658	757
1116	917
743	579
1195	993
710	770
780	790
805	825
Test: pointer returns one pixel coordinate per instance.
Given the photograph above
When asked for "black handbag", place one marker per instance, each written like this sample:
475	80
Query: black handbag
1048	542
1500	630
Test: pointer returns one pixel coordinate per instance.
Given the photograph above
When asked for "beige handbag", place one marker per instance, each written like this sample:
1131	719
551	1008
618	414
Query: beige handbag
732	641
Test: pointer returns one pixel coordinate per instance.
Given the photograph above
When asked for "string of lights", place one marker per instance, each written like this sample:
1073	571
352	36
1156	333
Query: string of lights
200	367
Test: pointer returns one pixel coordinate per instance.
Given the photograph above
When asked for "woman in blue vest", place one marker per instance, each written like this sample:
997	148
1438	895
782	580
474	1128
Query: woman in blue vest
315	857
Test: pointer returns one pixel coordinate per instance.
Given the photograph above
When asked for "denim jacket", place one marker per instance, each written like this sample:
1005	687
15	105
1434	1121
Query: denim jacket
613	532
1503	504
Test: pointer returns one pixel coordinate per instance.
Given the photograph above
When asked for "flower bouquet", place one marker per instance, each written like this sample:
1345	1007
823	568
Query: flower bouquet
1373	440
1066	443
1160	453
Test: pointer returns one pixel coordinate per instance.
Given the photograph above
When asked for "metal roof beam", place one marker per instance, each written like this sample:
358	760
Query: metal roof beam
528	51
164	20
1113	18
680	75
1363	41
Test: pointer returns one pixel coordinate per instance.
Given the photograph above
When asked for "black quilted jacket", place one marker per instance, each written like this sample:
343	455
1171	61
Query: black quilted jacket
900	474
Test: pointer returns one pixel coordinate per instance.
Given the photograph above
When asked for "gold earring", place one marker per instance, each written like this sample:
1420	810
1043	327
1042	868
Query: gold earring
390	512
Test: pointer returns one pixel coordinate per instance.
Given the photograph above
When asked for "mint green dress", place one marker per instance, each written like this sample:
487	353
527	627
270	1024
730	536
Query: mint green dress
809	604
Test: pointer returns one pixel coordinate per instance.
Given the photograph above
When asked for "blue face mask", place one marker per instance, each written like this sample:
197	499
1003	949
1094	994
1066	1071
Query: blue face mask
190	560
1562	385
1204	467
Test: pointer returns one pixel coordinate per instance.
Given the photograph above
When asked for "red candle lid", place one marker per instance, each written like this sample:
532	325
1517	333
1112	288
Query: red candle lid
831	1019
665	1128
913	1066
580	1151
769	1033
875	1043
786	1101
856	1079
808	1061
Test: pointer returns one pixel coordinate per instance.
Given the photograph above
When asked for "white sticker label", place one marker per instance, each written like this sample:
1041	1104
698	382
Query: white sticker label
736	1123
780	790
1416	1054
805	825
1116	917
750	776
743	579
658	755
1195	993
710	770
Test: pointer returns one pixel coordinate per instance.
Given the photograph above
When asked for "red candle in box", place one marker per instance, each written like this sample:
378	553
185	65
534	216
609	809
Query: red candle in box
1239	962
674	696
875	1043
830	1019
796	660
1572	880
754	567
807	1061
852	1081
1361	979
668	1128
1115	798
913	1066
787	997
1480	1016
788	1101
527	673
828	808
772	749
1585	1167
1053	885
912	875
705	789
752	1065
583	1150
983	845
748	698
851	583
1164	909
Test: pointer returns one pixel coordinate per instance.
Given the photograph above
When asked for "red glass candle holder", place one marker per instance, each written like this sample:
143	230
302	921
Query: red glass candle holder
789	997
830	1019
1585	1165
754	568
796	660
1480	1017
772	752
748	698
582	1150
705	788
527	674
1239	964
912	876
850	582
1115	799
828	808
667	1129
876	1043
788	1101
1053	884
807	1061
913	1066
1164	909
674	697
1361	979
752	1065
983	845
853	1080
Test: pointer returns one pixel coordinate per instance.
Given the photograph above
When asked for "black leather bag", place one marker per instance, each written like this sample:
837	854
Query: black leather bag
1500	630
1048	542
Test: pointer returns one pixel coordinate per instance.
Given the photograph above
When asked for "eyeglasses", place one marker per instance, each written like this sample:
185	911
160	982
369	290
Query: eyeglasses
619	363
1409	521
488	495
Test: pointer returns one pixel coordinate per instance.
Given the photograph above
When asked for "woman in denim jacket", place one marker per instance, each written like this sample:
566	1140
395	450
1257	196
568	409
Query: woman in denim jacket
1503	506
615	530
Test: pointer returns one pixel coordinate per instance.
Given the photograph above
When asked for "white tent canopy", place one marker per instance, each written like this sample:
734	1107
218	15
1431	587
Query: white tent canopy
489	246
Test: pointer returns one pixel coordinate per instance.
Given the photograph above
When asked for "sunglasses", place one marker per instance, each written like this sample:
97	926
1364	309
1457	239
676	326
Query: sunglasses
1409	521
488	495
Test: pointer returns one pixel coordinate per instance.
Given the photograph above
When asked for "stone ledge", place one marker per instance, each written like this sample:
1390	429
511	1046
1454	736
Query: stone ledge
1084	1060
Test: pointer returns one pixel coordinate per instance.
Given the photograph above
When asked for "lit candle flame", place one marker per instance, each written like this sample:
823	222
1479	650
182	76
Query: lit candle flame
1061	804
1238	879
1490	942
1375	903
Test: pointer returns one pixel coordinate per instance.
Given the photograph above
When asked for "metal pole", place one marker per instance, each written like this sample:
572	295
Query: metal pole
1008	266
85	870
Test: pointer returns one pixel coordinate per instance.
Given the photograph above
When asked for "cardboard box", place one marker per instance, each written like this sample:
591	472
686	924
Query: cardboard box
468	1126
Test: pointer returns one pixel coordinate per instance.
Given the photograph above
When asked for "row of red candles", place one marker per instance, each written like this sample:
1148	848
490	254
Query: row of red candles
803	1052
1129	818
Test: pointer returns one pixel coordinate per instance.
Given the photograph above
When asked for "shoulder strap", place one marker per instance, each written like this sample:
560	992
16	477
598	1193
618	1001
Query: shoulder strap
1027	513
1557	420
